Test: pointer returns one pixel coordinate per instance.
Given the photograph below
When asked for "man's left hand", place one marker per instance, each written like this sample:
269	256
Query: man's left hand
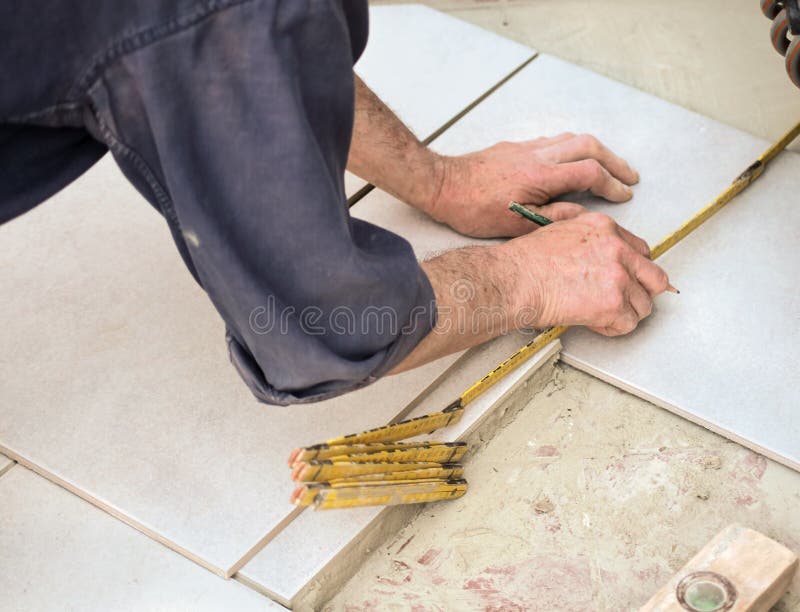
474	190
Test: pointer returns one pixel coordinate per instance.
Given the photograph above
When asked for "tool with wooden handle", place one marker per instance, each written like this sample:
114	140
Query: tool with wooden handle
740	570
350	473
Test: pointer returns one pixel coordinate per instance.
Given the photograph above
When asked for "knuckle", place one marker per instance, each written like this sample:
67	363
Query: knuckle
588	142
618	246
615	302
594	169
600	220
618	276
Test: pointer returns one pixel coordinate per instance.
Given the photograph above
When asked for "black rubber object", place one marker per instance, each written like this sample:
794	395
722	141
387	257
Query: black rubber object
793	61
792	8
771	8
779	31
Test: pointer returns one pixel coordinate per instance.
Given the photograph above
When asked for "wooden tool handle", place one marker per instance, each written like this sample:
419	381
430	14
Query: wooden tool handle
740	570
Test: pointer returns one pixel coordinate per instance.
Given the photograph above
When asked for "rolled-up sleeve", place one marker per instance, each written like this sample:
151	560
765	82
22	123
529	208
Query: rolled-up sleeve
237	127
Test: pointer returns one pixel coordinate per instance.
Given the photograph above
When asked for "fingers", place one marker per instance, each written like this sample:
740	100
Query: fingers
651	276
639	245
559	211
544	142
584	147
640	300
586	175
637	305
633	279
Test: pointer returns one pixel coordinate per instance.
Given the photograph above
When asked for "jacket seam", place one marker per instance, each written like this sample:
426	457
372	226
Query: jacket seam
120	48
117	146
147	36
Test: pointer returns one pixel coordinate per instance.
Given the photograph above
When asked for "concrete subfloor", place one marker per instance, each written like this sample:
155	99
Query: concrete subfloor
591	498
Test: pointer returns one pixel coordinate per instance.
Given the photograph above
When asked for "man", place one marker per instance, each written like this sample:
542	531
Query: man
234	118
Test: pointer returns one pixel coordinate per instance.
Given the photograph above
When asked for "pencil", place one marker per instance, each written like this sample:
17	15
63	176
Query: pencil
538	219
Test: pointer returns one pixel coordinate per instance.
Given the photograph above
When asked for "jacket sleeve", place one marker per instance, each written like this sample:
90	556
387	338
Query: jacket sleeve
237	128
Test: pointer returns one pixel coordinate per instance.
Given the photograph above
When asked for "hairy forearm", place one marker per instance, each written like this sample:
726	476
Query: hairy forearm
475	299
384	152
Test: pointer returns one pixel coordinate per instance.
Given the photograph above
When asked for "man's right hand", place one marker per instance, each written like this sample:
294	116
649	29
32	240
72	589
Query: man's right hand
583	270
586	270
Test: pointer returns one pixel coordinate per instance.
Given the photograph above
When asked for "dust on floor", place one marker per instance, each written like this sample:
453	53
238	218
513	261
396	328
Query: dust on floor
589	500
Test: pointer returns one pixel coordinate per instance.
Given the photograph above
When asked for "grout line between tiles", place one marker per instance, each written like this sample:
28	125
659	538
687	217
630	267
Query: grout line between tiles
112	511
7	468
479	99
266	539
261	590
358	195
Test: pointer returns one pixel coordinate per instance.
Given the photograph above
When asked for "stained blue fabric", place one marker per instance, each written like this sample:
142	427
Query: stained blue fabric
232	118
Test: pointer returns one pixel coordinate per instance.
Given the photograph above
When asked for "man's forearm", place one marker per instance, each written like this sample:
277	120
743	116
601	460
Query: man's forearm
474	298
385	152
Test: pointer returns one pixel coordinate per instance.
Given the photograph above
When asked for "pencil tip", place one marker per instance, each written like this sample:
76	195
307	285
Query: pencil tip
672	289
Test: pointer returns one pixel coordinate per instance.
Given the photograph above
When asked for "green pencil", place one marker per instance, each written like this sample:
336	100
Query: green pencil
529	214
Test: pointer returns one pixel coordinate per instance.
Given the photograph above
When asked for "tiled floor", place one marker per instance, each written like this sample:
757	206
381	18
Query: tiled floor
213	415
95	290
60	553
124	393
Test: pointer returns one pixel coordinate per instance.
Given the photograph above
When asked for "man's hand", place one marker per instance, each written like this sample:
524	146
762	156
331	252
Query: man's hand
473	190
584	271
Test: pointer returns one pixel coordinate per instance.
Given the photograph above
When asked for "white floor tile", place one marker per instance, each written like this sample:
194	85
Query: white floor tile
60	553
427	66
